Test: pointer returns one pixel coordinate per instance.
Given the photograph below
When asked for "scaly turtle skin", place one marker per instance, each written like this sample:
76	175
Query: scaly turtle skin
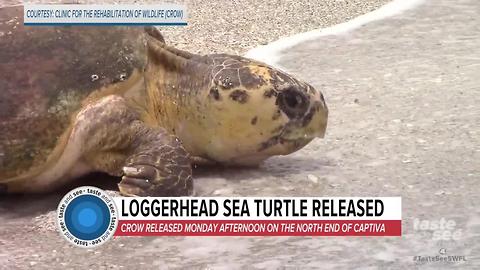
119	100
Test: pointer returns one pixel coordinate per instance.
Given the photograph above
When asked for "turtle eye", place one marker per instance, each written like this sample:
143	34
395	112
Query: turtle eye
292	102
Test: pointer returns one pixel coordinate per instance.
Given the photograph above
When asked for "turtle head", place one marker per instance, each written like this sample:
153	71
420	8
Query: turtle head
231	109
263	111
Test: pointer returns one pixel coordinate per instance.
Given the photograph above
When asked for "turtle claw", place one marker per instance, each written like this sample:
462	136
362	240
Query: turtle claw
136	181
129	170
133	186
144	173
143	184
130	190
162	178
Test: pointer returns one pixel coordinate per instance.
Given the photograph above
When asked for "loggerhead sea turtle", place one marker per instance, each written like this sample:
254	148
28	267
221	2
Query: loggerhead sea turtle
119	100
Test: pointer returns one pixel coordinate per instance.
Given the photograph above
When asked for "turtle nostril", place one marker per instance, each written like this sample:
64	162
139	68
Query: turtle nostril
293	103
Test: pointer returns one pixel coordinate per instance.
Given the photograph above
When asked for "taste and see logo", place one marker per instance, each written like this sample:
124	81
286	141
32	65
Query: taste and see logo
442	229
87	217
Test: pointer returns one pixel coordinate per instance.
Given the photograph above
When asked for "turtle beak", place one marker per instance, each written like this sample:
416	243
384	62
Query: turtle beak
318	125
313	123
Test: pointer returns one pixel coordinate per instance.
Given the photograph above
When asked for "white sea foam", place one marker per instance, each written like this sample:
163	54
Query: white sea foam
271	52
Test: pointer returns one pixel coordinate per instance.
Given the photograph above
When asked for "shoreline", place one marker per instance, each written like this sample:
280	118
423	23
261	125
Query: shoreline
270	53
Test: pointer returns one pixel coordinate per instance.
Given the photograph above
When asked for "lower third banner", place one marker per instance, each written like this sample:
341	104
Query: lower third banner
259	228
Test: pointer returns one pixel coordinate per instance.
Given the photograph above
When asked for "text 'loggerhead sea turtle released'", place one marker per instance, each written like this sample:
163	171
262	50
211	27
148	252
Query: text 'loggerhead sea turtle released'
119	100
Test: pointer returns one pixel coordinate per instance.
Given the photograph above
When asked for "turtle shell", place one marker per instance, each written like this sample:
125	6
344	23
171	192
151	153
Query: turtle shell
46	73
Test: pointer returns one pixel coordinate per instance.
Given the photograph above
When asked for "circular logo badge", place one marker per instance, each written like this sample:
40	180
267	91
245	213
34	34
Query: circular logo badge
87	217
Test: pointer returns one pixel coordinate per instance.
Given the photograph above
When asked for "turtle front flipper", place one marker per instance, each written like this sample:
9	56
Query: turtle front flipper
158	166
151	161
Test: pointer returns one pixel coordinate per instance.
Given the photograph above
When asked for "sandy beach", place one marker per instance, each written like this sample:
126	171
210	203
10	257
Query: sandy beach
398	152
237	26
402	94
